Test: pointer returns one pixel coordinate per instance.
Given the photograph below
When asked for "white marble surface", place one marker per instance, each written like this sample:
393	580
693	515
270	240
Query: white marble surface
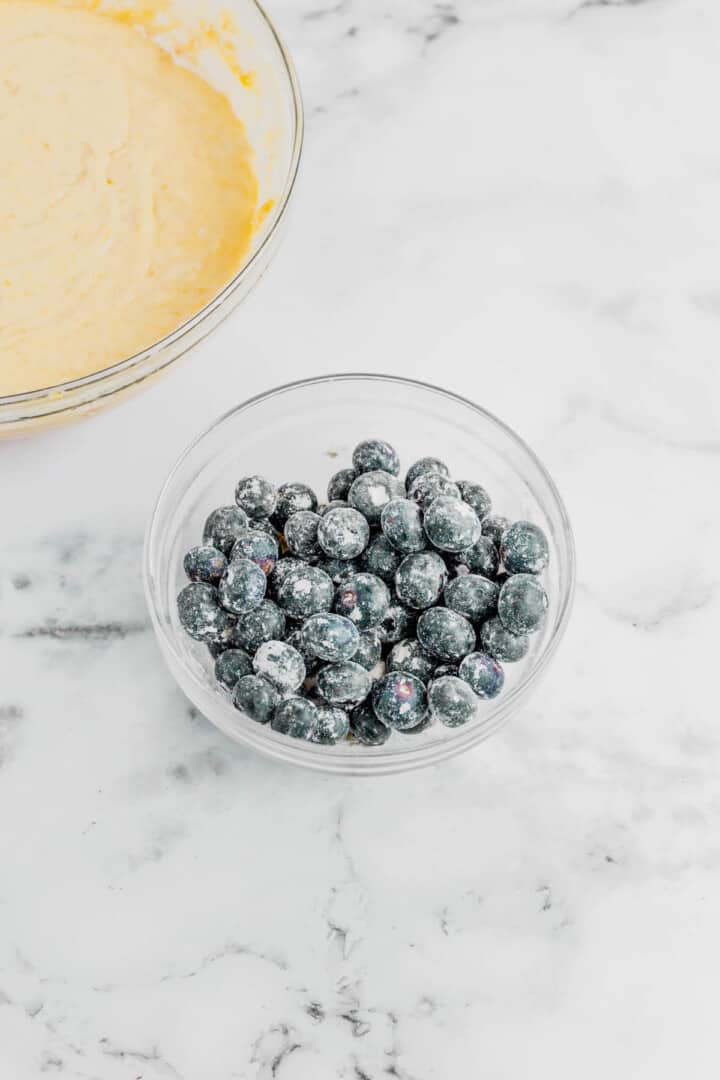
517	199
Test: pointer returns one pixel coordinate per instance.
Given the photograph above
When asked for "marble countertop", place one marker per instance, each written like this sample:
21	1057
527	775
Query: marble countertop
517	199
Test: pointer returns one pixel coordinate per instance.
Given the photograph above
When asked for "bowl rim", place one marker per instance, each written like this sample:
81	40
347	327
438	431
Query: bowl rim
186	328
342	759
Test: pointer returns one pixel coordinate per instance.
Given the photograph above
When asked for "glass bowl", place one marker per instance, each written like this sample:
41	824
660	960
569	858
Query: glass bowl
263	89
306	431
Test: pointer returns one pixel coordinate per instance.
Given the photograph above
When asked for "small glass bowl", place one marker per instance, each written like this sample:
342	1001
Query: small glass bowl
306	431
269	103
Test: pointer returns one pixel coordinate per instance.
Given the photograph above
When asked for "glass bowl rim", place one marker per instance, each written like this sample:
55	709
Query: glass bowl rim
137	360
372	760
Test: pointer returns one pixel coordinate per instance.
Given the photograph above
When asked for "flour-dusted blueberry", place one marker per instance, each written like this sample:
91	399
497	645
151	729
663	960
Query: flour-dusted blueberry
409	655
343	533
256	697
451	701
205	563
373	455
522	604
381	558
295	716
420	579
473	595
399	700
442	670
256	496
335	504
331	725
476	496
483	674
481	558
340	483
280	664
283	568
445	634
524	548
372	491
425	465
345	683
364	599
258	547
451	524
493	527
265	623
290	499
305	591
312	663
402	524
429	486
366	727
242	587
231	665
339	569
397	624
331	637
223	527
301	534
266	526
500	643
369	649
200	613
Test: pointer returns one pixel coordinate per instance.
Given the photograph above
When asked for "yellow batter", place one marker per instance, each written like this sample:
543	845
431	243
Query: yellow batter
127	193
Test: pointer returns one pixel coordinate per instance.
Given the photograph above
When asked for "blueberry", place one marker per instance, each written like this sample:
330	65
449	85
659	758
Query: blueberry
295	716
242	587
481	558
265	526
396	625
451	524
473	595
283	568
265	623
345	683
216	648
475	496
256	496
373	455
369	649
381	558
524	548
256	697
409	655
402	524
340	484
331	637
280	664
366	727
501	644
364	599
483	674
205	563
493	528
420	579
224	526
522	604
399	700
334	504
425	465
442	670
230	666
428	486
301	534
258	547
312	663
339	569
452	701
445	634
330	725
372	491
343	533
305	591
290	499
201	615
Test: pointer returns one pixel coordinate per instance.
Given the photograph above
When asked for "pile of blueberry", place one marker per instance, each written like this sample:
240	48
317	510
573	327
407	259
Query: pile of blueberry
387	607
